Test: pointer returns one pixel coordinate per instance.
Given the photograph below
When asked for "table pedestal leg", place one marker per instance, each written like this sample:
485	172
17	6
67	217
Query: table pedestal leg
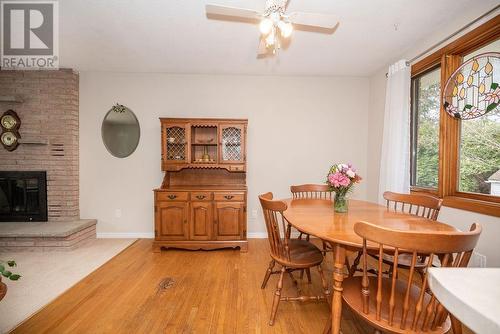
338	278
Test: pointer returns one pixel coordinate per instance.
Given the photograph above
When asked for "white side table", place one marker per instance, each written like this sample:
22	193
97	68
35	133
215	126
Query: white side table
472	295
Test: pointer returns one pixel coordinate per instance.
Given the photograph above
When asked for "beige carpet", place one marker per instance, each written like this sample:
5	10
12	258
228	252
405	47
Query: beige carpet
47	275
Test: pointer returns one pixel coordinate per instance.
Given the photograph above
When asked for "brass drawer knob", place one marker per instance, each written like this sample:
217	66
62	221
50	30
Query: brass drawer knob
200	196
172	196
229	197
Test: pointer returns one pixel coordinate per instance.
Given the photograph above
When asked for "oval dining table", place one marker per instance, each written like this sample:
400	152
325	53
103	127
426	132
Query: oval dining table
317	218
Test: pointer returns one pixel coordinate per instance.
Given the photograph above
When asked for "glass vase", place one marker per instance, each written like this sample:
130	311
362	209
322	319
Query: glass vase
340	203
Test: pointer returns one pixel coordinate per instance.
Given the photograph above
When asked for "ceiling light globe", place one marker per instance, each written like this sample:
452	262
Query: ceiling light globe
286	28
270	39
265	26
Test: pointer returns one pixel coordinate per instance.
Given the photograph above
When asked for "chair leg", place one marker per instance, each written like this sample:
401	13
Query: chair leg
328	327
348	266
324	283
456	325
355	264
421	273
277	297
302	273
308	273
268	274
297	287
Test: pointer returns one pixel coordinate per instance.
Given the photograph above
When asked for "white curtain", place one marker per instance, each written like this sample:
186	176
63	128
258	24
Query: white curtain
395	158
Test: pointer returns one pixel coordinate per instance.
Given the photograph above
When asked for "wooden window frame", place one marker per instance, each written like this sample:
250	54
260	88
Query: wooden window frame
414	136
449	58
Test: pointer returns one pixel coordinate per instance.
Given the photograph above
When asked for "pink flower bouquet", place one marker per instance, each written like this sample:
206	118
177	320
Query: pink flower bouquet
341	178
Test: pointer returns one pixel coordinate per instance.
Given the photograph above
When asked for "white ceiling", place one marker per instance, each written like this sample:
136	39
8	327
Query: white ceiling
175	36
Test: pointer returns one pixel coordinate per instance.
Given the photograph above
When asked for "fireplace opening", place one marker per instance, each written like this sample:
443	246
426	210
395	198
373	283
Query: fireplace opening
23	196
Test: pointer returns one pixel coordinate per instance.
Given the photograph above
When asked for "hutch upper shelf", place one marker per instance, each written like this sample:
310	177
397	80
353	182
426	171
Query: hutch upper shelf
203	143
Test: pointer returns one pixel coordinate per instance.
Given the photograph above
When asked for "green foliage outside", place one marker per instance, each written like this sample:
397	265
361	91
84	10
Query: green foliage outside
479	152
479	146
428	136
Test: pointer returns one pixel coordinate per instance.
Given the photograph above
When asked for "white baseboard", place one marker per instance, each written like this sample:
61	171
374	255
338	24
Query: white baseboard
125	235
257	235
263	235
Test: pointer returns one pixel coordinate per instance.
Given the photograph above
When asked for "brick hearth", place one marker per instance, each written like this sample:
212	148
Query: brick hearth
46	236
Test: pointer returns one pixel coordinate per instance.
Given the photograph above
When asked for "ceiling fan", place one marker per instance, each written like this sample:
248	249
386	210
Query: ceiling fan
274	23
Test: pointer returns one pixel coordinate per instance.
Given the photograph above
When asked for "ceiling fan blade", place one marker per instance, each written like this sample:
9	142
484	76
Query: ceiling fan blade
219	10
314	20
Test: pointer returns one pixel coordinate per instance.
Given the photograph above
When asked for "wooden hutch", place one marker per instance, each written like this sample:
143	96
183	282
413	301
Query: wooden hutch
202	201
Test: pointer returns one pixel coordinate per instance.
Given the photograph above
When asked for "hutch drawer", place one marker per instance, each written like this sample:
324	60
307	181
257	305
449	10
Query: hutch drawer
172	196
236	168
229	196
201	196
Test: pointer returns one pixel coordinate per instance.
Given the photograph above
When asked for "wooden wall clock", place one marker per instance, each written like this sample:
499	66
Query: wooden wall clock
10	124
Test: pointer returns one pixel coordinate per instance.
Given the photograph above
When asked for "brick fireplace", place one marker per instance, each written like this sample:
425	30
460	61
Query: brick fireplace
47	104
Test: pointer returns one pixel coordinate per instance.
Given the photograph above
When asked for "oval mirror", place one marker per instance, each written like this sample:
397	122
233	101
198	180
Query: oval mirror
120	131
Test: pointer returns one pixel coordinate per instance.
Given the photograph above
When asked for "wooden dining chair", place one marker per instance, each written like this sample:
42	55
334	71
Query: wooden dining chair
311	191
424	206
397	305
290	254
307	191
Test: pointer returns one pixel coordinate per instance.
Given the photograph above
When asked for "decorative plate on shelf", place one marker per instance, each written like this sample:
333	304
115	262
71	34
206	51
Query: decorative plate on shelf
473	89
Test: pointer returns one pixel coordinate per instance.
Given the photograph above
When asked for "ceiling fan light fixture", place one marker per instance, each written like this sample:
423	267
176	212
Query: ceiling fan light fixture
265	26
270	39
274	23
286	29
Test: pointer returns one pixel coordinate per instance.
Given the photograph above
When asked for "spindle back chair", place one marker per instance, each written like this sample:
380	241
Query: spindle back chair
314	191
425	206
291	254
276	225
397	305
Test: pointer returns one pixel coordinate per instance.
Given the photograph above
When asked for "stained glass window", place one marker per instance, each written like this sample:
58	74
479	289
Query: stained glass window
473	89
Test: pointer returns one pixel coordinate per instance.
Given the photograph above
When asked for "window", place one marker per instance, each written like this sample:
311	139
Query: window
426	96
457	160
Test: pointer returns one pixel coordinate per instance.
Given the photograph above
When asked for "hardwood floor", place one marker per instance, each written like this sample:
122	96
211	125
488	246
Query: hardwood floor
212	292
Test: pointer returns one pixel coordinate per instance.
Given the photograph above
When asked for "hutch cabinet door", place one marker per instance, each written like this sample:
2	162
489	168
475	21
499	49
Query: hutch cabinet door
229	220
232	143
176	143
172	220
202	221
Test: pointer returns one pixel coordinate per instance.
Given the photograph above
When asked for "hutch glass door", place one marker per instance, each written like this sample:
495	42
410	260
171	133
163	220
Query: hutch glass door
176	143
232	144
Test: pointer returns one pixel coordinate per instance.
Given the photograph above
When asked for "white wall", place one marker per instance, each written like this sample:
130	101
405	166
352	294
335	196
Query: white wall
297	127
488	245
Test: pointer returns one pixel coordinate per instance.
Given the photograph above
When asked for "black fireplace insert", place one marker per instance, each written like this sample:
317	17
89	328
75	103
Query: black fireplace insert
23	196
